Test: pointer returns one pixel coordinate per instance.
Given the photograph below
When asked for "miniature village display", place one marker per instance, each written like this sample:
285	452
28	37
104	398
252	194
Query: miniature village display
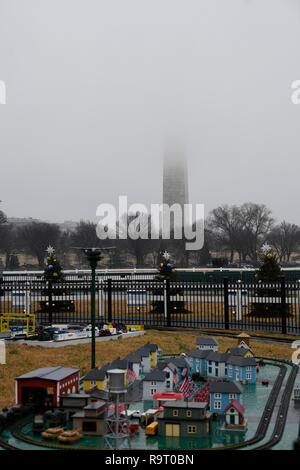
182	404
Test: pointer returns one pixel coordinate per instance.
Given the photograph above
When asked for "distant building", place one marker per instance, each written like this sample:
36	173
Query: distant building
175	183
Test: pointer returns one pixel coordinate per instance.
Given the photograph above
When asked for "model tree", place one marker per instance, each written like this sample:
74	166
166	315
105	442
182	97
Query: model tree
270	269
268	289
166	271
53	271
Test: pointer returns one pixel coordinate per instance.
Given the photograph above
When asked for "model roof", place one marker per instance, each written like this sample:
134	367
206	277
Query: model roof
49	373
157	375
237	405
151	347
98	394
134	356
144	352
119	364
198	353
225	387
185	404
243	335
96	374
237	351
241	361
217	357
161	365
179	361
207	342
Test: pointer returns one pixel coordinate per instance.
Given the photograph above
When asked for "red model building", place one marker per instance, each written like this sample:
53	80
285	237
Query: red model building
43	386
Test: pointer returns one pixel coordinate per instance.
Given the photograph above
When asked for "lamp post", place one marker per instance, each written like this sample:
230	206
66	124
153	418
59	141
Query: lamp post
93	255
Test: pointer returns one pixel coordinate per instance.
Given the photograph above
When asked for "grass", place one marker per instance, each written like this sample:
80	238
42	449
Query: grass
23	358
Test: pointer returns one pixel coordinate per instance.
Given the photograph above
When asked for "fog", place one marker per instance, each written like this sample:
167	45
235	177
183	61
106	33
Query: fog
97	89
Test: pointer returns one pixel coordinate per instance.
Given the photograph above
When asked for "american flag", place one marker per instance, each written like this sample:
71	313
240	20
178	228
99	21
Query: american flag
131	375
175	377
185	387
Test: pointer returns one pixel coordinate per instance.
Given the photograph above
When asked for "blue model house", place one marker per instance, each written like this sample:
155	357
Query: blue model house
241	369
222	393
197	361
207	343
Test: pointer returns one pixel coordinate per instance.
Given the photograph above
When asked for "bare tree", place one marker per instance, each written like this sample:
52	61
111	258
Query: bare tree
285	238
227	224
257	222
134	236
36	236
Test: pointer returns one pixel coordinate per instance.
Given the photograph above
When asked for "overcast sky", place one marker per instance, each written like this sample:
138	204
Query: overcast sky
96	88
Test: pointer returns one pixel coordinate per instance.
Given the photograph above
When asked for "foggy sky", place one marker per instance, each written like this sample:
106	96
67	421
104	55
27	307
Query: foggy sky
96	88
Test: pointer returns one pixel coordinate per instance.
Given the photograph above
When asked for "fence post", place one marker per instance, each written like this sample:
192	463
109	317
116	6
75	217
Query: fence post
109	300
283	306
101	299
226	303
50	303
167	314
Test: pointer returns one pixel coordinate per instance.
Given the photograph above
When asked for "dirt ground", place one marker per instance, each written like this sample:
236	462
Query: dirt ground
23	358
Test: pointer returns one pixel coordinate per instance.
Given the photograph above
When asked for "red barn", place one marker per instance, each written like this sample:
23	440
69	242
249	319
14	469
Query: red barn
44	386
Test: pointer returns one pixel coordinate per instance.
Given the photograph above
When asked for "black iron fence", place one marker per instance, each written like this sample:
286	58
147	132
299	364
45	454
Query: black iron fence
273	307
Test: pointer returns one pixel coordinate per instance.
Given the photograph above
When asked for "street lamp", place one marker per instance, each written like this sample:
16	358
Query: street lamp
93	256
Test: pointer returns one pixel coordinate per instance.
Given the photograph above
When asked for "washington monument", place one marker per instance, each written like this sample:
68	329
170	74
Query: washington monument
175	178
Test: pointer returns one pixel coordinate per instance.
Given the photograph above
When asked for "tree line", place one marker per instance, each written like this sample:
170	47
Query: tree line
233	234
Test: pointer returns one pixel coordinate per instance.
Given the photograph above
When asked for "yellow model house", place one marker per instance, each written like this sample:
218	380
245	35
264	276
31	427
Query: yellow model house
95	379
240	351
152	348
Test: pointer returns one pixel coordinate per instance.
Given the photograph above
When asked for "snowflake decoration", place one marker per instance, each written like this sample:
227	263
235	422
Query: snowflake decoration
166	255
265	248
50	250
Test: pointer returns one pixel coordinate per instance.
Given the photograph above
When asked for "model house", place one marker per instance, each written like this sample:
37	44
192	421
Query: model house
197	361
91	420
234	414
240	351
207	343
134	364
221	394
171	374
154	382
96	379
74	402
216	364
184	419
153	350
145	359
241	369
243	340
44	386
